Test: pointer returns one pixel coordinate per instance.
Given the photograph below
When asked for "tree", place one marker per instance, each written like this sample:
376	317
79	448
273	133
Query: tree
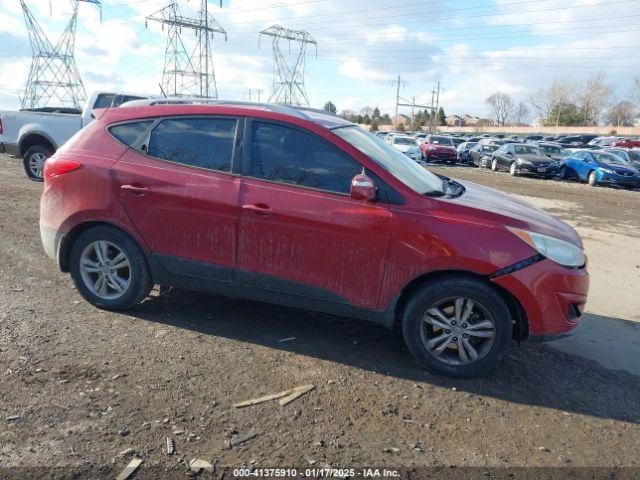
376	114
330	107
592	98
502	107
374	126
385	119
521	113
565	114
548	102
366	119
441	118
621	114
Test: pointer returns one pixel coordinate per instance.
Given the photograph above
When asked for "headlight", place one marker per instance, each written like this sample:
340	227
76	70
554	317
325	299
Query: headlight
522	160
607	170
559	251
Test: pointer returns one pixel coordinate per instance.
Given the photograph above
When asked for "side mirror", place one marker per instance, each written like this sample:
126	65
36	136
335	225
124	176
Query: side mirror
509	153
362	188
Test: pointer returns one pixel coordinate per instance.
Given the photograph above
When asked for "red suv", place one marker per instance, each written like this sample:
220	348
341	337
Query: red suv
302	208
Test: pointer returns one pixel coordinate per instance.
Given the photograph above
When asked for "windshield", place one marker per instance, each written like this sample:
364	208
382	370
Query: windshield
550	149
397	164
404	141
490	147
441	140
609	158
527	150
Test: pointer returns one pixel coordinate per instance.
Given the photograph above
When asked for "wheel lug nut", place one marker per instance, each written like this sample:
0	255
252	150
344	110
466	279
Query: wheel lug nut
447	331
455	339
453	322
464	335
464	325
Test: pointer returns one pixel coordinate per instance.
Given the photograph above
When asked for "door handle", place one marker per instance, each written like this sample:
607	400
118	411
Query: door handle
138	190
257	208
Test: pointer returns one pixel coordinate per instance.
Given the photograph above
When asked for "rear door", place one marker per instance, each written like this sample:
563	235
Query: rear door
300	232
178	188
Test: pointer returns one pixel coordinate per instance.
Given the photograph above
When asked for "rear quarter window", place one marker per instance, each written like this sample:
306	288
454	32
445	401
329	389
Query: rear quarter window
128	133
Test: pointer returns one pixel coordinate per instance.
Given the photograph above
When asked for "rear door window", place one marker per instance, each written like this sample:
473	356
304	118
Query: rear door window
195	142
129	132
288	155
104	100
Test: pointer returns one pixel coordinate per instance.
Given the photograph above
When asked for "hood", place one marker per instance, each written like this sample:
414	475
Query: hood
626	170
405	148
535	159
512	212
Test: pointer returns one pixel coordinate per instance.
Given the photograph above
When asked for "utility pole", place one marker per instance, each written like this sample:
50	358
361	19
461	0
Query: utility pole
187	74
397	103
53	75
413	104
288	77
435	97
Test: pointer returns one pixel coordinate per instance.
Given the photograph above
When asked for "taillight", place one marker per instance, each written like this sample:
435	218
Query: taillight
55	167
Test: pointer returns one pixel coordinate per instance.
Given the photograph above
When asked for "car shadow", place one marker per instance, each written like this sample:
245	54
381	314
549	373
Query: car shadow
532	373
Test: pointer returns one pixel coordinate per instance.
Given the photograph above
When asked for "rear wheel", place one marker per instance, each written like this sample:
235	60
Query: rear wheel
458	326
592	179
33	161
109	269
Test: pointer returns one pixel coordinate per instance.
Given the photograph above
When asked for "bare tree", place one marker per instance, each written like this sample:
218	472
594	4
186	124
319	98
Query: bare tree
621	114
593	98
548	102
502	107
521	113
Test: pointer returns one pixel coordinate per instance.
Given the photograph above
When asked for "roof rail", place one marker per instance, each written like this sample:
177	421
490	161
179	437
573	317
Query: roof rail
273	107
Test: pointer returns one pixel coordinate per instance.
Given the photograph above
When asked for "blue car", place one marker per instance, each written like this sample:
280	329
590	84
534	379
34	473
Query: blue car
599	168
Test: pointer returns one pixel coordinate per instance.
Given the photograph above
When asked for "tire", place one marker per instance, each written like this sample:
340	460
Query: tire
592	179
133	281
417	331
494	164
513	169
563	174
33	161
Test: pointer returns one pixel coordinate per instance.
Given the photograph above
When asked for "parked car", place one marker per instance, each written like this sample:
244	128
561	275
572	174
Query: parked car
533	138
578	141
523	158
312	212
626	143
407	145
463	151
603	141
457	141
480	155
631	157
599	168
552	150
437	148
34	134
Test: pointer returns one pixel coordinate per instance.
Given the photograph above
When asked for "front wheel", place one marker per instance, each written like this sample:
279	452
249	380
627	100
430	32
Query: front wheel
592	179
513	169
109	269
33	161
457	326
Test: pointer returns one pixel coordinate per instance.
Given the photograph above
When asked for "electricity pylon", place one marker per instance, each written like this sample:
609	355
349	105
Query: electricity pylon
53	74
184	74
288	76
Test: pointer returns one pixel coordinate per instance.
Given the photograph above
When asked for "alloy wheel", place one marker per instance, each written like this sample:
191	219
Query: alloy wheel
457	331
513	170
105	270
36	164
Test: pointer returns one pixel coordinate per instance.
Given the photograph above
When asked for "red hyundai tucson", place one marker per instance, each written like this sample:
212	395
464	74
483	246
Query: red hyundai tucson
302	208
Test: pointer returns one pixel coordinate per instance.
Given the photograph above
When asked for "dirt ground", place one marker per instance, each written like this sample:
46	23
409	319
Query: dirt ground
83	389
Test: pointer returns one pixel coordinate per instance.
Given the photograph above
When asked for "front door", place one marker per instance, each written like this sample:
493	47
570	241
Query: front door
300	232
178	190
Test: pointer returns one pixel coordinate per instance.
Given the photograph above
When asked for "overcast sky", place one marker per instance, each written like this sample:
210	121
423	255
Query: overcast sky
473	47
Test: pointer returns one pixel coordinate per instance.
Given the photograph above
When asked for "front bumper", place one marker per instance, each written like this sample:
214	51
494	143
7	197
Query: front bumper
553	297
545	171
9	148
623	181
441	156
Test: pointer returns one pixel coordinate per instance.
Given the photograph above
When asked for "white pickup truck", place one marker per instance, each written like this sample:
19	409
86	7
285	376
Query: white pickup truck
34	135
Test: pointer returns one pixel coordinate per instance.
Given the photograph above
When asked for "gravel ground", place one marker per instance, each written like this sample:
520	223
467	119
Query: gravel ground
83	389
